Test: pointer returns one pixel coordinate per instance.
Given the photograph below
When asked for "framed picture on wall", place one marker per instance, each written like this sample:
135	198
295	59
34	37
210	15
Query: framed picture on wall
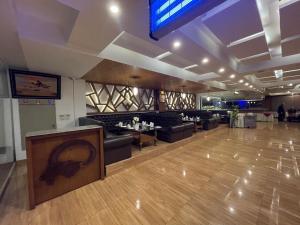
28	84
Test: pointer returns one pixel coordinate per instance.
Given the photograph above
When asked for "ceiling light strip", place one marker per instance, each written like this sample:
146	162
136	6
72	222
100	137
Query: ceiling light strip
254	56
249	38
164	55
190	67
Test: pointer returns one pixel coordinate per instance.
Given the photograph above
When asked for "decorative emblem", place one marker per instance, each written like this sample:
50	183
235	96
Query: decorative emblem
66	168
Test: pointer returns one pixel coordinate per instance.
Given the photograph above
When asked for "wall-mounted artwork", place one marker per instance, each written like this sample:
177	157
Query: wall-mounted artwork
103	98
27	84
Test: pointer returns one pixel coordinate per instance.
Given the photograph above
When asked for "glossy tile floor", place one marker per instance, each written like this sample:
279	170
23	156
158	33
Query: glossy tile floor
223	177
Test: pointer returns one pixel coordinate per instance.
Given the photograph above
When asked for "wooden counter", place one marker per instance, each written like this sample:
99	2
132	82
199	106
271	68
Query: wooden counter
59	161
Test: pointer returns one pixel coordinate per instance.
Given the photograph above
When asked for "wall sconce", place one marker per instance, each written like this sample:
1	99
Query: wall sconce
208	99
183	95
135	91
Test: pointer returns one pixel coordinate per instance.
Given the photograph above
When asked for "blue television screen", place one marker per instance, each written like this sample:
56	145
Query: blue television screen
169	15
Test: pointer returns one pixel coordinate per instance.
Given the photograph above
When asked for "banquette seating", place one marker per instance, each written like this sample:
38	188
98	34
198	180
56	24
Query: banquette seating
173	129
208	121
117	142
117	147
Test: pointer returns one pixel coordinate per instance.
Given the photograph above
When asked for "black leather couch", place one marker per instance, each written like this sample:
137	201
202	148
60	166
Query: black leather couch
173	128
208	121
224	117
293	115
117	147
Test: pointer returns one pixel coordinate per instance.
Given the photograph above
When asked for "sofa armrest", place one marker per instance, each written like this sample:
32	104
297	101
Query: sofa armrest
189	126
177	128
117	141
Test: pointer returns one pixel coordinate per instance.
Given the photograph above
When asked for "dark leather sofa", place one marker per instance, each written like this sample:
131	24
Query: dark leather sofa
224	116
292	115
173	128
208	121
116	147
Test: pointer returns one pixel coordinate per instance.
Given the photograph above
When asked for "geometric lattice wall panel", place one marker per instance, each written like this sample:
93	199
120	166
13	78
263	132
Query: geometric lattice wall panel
180	101
101	98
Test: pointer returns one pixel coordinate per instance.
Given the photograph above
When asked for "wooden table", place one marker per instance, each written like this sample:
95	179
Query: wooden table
141	136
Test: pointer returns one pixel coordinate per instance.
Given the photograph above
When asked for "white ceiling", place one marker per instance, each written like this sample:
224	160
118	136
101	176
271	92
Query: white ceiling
70	37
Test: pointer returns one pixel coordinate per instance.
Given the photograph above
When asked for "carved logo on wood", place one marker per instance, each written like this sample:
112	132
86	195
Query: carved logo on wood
67	168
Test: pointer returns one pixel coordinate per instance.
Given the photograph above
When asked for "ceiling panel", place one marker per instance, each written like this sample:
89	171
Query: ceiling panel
294	73
133	43
297	77
235	22
289	17
110	72
291	47
257	59
198	70
177	61
265	79
249	48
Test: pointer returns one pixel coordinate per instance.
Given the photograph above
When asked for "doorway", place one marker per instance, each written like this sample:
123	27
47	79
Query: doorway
36	115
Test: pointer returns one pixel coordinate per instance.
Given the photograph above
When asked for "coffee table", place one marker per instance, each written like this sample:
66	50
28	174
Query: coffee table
142	135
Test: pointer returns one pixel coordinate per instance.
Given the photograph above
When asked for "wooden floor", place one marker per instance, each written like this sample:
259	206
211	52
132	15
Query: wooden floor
4	172
228	176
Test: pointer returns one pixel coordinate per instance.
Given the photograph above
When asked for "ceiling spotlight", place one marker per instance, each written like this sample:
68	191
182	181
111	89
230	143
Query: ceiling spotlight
236	92
251	86
222	70
208	99
246	84
176	44
278	73
232	76
205	60
241	81
114	9
290	85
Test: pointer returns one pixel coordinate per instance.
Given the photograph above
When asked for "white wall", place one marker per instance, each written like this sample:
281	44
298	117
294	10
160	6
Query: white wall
72	104
69	108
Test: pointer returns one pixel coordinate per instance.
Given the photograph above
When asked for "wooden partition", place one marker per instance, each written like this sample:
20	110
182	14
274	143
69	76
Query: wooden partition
62	161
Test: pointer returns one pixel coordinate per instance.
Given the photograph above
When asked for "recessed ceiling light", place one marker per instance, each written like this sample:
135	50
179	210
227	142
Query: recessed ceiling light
114	9
241	81
222	70
246	84
232	76
176	44
251	86
290	85
205	60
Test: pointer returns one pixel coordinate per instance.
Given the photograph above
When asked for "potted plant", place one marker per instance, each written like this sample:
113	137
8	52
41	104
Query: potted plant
234	116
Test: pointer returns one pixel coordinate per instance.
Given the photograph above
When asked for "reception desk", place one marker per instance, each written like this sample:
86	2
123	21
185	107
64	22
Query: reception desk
59	161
